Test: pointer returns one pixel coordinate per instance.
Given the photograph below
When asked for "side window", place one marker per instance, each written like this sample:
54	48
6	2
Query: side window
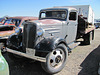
72	16
43	15
17	22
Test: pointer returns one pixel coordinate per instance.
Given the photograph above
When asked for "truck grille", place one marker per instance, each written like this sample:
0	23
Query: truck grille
29	35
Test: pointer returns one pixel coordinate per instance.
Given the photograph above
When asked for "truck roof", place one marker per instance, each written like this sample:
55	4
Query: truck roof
58	8
73	6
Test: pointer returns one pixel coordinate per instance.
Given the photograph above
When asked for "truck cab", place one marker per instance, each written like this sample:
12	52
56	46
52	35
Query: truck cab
67	22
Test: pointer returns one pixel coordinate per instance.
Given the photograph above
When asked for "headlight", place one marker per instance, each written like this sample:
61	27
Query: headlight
40	32
18	30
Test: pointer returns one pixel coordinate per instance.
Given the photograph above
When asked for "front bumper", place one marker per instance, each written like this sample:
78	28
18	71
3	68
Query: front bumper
41	59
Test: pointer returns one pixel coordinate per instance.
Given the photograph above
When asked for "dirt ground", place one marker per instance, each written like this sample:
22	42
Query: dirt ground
82	61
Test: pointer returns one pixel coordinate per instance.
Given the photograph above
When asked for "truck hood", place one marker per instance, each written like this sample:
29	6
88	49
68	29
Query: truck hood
51	26
48	22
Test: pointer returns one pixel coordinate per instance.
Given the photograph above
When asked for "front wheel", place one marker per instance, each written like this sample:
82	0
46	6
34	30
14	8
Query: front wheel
56	60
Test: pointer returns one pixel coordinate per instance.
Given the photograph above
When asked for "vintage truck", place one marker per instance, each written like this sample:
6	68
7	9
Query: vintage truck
53	36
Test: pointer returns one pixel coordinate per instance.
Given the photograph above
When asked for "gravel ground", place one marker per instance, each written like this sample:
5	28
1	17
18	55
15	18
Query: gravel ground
82	61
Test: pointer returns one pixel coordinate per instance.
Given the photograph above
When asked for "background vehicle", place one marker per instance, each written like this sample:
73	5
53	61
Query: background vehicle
53	36
10	24
96	26
2	20
4	69
17	21
97	23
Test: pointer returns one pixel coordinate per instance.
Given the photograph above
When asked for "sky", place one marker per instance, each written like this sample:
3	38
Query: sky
32	7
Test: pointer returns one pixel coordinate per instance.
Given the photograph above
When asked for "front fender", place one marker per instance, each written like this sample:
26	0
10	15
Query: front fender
14	41
49	44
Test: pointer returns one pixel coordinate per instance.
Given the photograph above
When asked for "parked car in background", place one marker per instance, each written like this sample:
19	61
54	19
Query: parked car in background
10	24
17	21
2	20
96	26
4	69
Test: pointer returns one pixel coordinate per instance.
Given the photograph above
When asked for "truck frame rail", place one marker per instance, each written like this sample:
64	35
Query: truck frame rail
41	59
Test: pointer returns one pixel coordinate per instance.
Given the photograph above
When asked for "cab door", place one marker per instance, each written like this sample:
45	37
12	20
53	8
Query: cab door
72	26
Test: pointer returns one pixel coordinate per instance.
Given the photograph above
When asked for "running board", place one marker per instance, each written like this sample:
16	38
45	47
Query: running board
41	59
73	45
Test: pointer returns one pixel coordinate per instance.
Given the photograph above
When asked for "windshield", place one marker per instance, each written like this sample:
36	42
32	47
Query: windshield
7	22
12	22
59	14
2	20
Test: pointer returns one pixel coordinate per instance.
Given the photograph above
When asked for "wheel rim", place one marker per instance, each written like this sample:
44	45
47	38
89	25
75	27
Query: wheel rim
56	58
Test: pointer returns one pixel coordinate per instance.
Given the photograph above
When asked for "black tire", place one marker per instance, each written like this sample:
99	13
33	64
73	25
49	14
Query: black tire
93	35
88	38
60	60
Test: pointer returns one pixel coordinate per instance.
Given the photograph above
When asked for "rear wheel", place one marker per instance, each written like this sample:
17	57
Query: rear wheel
56	60
88	38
